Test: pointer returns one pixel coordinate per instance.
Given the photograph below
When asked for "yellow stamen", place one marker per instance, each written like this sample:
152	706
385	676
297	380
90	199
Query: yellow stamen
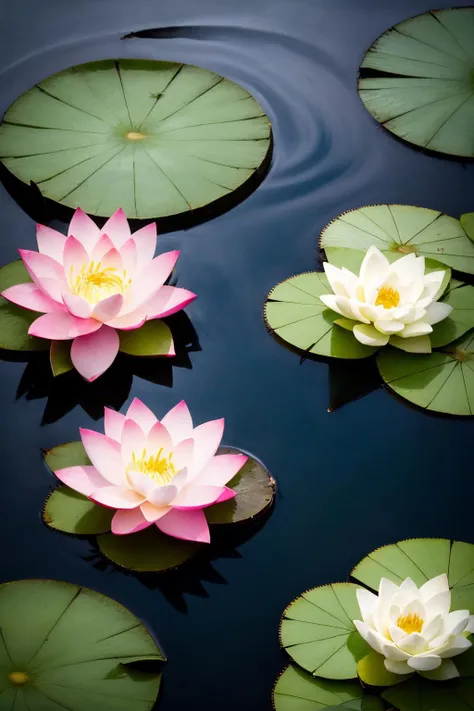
18	678
158	467
410	623
95	282
388	297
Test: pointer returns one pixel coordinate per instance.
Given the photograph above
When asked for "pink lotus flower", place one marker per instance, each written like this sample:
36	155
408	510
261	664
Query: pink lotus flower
93	282
163	473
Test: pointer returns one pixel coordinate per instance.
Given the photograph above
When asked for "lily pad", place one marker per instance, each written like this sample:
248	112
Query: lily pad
68	511
461	319
63	646
318	632
255	489
423	88
442	381
422	559
467	223
60	357
403	229
294	313
371	670
421	695
70	454
152	339
296	690
155	138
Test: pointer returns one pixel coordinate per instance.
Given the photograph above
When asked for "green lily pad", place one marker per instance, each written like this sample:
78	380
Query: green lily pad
422	559
461	319
467	223
421	695
371	670
442	381
403	229
423	88
63	646
255	489
318	632
294	312
68	511
70	454
60	357
155	138
148	551
152	339
296	690
13	274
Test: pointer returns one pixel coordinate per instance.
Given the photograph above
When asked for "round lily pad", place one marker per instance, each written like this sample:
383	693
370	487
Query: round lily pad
14	321
318	632
422	559
154	138
418	694
70	454
63	646
461	319
294	312
442	381
467	223
421	82
68	511
152	339
403	229
296	690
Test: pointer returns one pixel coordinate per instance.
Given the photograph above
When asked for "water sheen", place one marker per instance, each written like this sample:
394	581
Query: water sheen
362	476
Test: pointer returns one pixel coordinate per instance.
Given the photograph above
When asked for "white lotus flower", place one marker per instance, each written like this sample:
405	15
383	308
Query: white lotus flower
390	302
413	628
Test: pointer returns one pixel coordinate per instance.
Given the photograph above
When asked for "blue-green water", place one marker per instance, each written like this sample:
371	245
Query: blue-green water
362	476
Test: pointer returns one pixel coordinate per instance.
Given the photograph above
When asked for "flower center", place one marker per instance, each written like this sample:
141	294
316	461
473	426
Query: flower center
135	135
410	623
96	282
388	297
156	466
18	678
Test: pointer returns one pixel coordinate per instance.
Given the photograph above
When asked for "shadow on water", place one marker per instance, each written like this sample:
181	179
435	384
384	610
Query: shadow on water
112	389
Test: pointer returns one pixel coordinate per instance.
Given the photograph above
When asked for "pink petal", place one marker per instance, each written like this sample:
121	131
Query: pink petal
117	497
103	246
77	306
75	256
113	424
187	525
226	495
158	438
105	455
117	228
167	301
142	414
92	354
133	440
207	438
145	239
84	479
112	259
151	278
41	266
183	454
54	288
129	322
50	242
162	495
62	326
129	255
197	497
84	229
30	296
221	469
128	521
141	483
178	422
108	308
153	513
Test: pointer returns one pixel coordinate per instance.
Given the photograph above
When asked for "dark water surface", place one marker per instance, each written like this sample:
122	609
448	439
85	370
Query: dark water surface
365	475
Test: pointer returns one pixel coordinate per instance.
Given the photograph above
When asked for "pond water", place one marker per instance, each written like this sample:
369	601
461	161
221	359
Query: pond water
367	474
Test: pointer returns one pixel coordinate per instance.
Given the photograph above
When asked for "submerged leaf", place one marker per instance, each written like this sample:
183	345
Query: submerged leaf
418	694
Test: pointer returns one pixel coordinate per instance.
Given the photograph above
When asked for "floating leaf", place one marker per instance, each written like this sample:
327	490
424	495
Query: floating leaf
155	138
467	223
294	312
62	644
441	381
422	559
152	339
423	89
421	695
371	670
66	455
68	511
13	274
296	690
403	229
147	551
318	632
461	319
255	489
60	357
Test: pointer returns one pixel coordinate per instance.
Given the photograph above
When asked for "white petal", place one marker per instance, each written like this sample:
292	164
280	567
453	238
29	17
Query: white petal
330	300
431	292
362	628
424	663
414	607
470	625
389	327
390	651
409	586
351	282
434	586
433	628
459	645
420	344
446	671
397	667
369	336
387	591
456	622
368	603
335	279
162	495
440	643
409	268
397	634
419	328
375	266
413	643
438	604
437	311
408	313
